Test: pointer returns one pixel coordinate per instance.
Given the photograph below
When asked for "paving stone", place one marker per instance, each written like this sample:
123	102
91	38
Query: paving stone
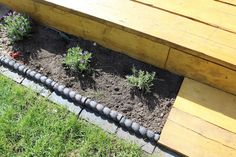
14	76
99	121
64	102
160	151
36	87
145	145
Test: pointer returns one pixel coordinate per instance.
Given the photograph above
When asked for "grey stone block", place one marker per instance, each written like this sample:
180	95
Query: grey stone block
106	111
32	73
37	76
156	137
72	95
135	127
119	116
64	102
1	59
98	121
93	105
22	69
113	115
87	102
150	134
52	84
55	87
78	98
60	88
99	108
128	123
143	131
83	100
161	151
122	121
6	61
36	87
43	79
14	76
144	145
11	63
16	66
66	92
28	73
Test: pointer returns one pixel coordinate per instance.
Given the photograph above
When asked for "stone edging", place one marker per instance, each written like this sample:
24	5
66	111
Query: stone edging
82	101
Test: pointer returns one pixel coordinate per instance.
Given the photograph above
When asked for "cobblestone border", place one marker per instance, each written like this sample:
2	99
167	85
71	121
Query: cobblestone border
86	108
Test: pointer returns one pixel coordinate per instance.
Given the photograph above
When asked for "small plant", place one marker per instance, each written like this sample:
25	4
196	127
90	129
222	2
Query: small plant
77	59
17	26
143	80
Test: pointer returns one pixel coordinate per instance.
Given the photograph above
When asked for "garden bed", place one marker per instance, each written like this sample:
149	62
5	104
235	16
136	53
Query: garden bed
45	50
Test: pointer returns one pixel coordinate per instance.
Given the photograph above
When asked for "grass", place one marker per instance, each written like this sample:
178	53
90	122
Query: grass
32	126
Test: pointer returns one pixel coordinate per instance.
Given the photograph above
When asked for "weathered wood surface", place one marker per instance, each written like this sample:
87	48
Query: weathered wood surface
152	35
210	12
229	2
191	143
202	122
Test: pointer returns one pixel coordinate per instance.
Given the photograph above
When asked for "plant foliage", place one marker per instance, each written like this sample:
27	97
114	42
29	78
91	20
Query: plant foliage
143	80
17	26
77	59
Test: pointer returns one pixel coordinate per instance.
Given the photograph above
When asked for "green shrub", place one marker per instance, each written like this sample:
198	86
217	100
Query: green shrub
17	26
143	80
77	59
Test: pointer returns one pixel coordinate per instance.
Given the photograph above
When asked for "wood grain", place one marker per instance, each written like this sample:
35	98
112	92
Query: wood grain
144	33
208	103
210	12
202	127
191	143
202	70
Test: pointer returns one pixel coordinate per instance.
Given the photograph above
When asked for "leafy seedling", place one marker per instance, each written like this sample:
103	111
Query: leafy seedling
17	26
77	59
142	80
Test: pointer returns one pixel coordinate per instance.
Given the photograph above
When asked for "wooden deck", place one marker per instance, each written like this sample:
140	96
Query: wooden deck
196	39
202	122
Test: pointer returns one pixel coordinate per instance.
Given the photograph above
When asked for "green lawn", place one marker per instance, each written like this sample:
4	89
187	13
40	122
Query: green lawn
32	126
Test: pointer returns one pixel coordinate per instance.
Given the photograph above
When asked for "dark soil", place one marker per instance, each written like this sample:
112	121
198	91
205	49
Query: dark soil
45	49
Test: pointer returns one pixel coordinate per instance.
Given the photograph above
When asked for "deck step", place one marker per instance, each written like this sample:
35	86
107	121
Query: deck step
202	122
200	45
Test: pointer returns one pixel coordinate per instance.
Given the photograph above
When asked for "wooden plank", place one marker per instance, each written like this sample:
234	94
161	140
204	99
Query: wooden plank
229	2
203	127
207	103
202	70
191	143
213	13
176	31
135	33
114	38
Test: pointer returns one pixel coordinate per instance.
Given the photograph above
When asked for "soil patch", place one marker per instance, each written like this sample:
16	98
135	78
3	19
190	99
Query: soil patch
45	50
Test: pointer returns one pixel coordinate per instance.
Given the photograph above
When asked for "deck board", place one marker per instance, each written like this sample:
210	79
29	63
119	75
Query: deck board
168	27
208	103
202	127
210	12
148	34
200	69
202	122
191	143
